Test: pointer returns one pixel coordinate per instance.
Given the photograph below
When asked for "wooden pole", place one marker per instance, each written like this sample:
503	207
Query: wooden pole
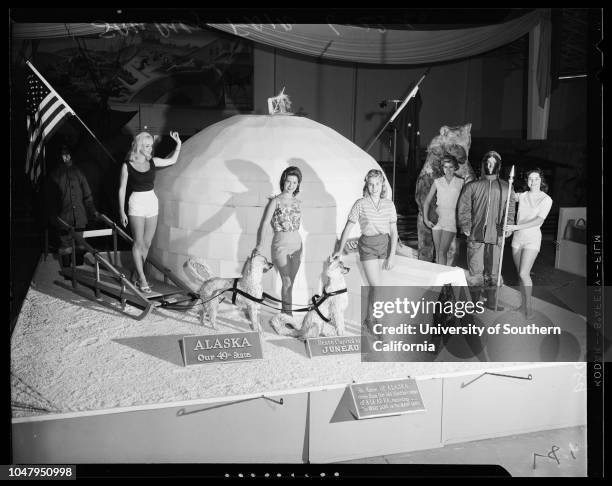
501	254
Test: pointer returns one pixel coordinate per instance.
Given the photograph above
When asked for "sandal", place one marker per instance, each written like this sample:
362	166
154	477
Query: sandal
144	288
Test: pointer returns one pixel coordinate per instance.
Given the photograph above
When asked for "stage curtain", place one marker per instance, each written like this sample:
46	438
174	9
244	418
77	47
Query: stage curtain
371	45
538	79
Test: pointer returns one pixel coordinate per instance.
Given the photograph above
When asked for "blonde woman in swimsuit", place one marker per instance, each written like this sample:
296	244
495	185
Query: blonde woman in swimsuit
138	174
283	216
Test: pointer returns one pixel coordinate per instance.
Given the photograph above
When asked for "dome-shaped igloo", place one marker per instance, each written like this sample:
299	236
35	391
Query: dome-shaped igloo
213	199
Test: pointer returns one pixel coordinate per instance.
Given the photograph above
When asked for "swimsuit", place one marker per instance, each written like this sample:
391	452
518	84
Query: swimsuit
143	201
286	241
447	194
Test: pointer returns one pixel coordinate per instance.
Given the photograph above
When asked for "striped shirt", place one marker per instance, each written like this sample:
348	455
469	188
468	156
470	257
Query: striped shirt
372	220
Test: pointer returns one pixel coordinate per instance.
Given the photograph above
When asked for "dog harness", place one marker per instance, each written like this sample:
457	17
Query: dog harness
235	291
315	304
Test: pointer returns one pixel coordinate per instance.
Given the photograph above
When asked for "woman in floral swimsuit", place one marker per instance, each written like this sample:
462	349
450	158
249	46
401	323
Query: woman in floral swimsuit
284	215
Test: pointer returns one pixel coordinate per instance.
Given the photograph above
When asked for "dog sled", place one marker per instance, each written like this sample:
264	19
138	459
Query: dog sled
107	274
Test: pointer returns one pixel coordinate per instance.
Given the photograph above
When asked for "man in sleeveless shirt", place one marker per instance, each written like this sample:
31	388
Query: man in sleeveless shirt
480	212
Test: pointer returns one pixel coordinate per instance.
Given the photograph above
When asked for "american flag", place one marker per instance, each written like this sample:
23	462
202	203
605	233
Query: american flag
45	109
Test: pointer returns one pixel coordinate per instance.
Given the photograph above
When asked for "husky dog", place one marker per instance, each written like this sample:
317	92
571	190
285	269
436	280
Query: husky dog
250	283
332	308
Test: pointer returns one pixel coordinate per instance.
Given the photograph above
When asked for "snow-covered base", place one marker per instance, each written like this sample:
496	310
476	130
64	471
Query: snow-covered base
70	354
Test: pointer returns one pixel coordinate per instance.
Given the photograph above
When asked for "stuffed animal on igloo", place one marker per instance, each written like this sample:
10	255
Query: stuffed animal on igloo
455	141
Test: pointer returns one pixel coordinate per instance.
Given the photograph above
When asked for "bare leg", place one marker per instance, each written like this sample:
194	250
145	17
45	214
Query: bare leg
282	265
292	267
149	233
437	236
527	259
446	238
516	256
137	223
287	266
373	271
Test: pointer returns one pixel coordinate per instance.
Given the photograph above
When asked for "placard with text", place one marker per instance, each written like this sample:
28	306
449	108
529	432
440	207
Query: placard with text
385	398
222	348
327	346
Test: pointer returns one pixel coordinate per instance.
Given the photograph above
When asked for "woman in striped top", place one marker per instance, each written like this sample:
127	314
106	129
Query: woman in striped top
377	220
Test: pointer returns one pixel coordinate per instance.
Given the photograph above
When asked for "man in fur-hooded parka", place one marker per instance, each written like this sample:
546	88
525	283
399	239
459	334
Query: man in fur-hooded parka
480	215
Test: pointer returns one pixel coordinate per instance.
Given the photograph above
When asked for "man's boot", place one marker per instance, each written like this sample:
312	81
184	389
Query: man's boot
475	294
66	260
79	256
490	304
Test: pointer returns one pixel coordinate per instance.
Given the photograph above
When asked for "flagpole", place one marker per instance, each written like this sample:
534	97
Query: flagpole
501	255
72	112
44	200
398	110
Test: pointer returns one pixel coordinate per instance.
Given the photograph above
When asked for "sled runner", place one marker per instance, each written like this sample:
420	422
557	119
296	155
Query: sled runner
107	274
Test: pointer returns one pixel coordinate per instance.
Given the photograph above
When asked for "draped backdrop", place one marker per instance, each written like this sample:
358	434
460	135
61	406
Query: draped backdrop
384	46
344	42
377	46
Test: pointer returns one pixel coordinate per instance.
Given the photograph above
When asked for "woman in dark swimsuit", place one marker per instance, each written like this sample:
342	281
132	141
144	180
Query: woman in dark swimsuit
139	172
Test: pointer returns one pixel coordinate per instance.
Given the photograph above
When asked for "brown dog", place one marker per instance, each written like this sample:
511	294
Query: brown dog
250	283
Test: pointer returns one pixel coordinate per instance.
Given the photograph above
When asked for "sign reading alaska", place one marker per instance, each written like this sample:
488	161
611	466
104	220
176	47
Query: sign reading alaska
222	348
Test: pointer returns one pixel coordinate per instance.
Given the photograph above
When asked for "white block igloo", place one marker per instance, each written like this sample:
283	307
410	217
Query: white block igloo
213	199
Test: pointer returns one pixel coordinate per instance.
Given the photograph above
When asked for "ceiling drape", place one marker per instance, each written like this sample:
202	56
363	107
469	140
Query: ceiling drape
377	46
342	42
53	30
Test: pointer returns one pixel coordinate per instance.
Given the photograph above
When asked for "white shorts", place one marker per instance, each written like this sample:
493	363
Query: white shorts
144	204
446	220
527	240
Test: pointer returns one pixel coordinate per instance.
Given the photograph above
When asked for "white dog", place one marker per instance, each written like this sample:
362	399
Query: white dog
332	308
250	283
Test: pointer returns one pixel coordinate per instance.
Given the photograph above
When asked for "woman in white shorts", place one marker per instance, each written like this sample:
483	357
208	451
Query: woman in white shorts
534	206
447	188
138	172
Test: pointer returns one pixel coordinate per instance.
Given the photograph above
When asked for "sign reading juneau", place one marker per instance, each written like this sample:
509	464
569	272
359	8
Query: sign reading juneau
222	348
384	398
333	345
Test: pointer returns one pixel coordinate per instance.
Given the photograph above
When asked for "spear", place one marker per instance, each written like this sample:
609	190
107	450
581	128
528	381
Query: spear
501	254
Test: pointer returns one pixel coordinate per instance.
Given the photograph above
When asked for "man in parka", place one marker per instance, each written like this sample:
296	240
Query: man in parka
480	212
69	197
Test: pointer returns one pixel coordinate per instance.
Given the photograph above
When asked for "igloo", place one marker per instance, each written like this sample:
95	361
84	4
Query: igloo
213	199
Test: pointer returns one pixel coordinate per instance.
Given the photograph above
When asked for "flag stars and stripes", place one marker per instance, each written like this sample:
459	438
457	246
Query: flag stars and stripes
45	110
